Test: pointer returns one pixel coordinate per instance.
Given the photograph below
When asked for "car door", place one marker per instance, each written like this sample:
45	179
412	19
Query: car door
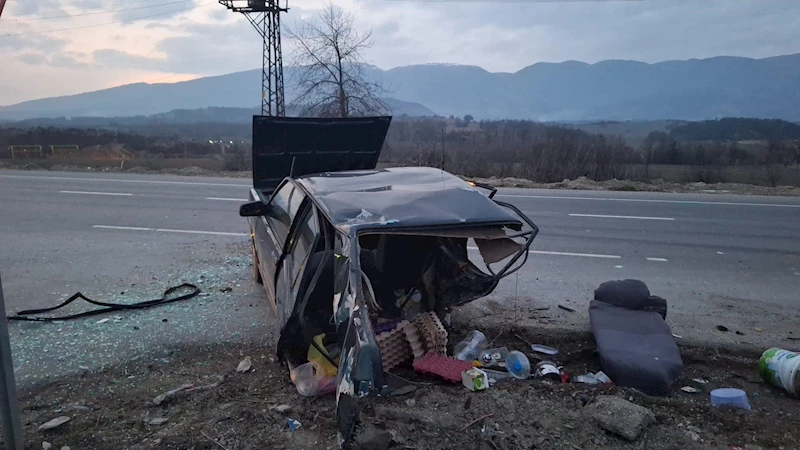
283	207
304	235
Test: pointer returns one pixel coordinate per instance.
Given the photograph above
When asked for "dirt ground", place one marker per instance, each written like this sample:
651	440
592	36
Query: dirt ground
113	409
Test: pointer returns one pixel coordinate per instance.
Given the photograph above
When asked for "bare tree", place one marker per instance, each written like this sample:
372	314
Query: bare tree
332	77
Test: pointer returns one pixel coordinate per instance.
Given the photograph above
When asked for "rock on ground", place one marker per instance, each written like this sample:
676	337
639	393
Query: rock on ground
620	416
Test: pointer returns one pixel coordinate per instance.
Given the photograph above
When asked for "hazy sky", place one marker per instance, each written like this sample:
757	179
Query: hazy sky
96	44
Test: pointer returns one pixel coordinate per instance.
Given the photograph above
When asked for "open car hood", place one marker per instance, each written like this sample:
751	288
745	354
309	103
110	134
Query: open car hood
297	146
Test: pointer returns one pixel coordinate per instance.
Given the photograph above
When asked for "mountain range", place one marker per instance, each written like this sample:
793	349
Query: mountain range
694	89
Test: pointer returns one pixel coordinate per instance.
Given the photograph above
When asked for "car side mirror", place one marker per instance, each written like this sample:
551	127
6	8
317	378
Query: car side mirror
254	209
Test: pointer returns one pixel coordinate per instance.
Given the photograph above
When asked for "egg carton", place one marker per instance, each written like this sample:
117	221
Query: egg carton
432	332
415	341
395	349
442	366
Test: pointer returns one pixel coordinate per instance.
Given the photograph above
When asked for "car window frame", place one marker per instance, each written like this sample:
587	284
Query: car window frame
280	238
307	212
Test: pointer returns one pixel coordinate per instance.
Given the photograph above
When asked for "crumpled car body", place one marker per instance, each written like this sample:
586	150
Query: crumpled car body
341	252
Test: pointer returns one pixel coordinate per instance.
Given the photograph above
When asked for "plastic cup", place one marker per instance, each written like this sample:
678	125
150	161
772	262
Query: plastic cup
730	397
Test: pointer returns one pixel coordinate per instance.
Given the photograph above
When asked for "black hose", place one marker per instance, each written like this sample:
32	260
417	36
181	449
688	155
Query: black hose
108	307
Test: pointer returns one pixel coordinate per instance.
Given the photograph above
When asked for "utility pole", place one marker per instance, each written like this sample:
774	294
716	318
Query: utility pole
9	406
265	16
442	148
12	426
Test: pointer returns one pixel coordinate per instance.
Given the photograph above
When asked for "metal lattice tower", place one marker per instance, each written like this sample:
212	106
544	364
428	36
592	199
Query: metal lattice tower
265	16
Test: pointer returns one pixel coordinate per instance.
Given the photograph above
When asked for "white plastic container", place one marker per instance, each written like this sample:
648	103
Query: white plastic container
781	368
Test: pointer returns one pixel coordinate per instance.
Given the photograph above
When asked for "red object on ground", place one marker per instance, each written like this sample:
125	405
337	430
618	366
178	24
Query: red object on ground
442	366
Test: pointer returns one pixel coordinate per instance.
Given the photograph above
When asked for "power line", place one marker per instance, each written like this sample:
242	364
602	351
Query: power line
28	18
109	23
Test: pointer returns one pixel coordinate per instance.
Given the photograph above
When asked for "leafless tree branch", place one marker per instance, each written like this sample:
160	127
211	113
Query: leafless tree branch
331	76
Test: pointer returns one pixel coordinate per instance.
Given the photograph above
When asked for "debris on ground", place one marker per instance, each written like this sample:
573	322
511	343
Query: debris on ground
781	368
158	421
730	397
469	348
158	400
441	366
620	416
529	413
544	349
635	343
54	423
244	365
293	424
475	379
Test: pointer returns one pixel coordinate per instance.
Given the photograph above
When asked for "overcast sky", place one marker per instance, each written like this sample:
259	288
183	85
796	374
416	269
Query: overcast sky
171	40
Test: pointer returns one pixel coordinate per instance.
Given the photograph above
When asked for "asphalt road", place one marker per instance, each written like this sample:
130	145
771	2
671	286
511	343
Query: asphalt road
717	259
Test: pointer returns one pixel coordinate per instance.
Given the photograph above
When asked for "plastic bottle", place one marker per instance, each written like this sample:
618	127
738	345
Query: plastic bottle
493	357
518	365
310	380
470	347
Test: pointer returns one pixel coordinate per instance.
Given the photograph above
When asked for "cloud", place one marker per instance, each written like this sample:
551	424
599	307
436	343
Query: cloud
210	48
41	43
154	12
68	60
109	57
32	59
497	36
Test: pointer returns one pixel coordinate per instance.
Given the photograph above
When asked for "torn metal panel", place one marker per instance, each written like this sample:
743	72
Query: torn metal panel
496	250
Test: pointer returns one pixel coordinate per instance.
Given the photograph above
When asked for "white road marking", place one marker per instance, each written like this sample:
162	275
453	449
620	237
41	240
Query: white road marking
168	230
657	259
217	233
585	255
605	216
116	180
227	199
690	202
111	227
120	194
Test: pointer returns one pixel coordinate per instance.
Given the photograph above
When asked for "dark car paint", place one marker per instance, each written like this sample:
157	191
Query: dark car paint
399	200
296	146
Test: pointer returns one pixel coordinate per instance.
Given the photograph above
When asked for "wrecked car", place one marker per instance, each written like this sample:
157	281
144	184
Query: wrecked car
341	247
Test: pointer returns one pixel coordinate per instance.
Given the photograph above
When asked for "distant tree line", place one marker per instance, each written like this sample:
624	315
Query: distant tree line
523	149
736	129
509	148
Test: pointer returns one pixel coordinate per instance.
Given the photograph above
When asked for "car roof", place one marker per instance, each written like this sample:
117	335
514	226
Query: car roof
406	197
